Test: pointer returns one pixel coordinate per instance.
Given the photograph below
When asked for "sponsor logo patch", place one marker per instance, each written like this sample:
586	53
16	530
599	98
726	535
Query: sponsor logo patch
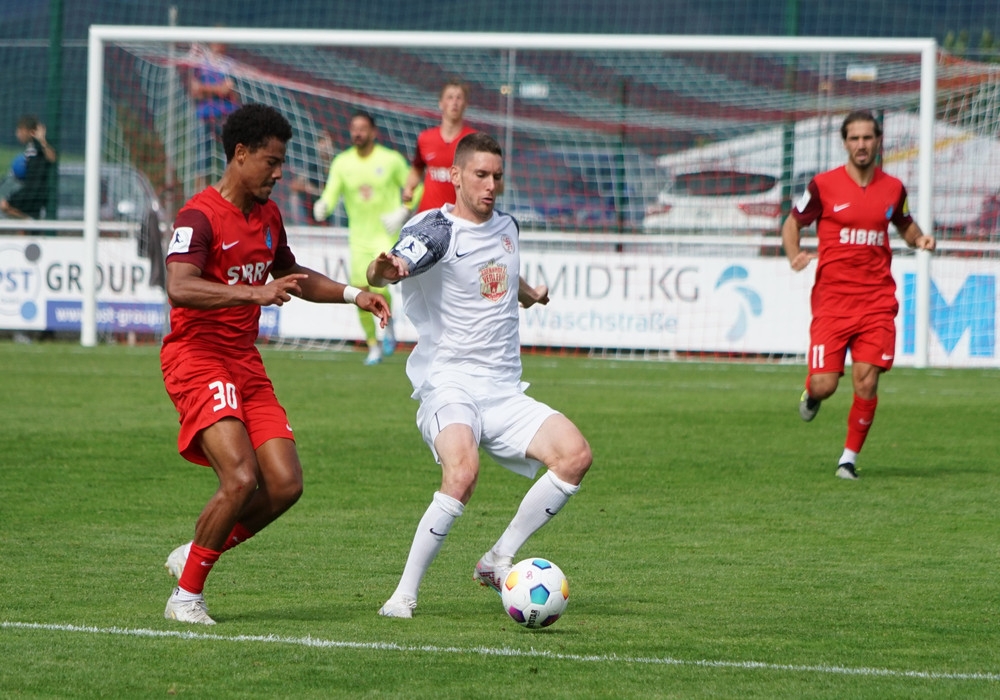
180	242
411	248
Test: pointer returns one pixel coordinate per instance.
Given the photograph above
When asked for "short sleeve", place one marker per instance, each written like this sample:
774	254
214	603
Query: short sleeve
191	241
424	243
809	206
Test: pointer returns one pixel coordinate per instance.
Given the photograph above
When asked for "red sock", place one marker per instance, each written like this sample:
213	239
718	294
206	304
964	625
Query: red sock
859	421
238	535
199	564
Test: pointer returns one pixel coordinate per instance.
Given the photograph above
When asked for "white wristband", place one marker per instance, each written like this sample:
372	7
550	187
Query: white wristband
350	294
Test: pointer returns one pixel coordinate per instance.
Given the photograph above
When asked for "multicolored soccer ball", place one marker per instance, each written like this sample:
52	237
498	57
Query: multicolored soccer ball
535	593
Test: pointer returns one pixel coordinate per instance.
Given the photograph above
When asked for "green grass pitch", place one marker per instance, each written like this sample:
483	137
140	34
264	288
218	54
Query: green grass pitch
711	551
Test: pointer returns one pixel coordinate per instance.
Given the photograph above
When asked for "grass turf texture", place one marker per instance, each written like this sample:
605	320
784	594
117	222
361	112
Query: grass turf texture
710	552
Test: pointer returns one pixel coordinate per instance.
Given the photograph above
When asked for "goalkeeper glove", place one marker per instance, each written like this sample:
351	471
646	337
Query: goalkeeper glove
320	210
394	220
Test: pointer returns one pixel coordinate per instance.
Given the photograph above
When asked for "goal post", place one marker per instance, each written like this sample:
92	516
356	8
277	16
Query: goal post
646	120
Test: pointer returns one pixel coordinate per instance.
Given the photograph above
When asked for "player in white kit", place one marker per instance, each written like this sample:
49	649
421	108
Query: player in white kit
459	268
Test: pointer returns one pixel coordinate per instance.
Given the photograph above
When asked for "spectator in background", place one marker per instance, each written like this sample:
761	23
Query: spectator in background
369	177
435	151
214	94
30	198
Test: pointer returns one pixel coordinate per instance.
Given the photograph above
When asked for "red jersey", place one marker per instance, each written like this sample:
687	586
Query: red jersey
853	276
229	248
436	156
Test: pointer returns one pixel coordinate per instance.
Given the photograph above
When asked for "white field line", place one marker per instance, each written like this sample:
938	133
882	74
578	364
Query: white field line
506	651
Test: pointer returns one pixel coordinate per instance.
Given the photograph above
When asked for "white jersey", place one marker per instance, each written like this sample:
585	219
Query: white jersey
461	296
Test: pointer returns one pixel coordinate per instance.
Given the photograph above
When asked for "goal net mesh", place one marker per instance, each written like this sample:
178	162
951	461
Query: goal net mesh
645	163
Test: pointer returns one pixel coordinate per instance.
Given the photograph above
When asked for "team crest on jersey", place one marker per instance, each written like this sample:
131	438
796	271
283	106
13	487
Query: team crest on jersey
508	245
493	280
888	212
267	237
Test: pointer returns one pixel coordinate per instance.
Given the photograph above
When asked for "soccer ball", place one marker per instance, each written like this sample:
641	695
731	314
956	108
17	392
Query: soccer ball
535	593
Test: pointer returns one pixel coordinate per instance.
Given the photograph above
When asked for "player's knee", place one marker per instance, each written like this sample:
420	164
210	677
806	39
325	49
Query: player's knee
459	480
574	463
823	386
284	489
239	484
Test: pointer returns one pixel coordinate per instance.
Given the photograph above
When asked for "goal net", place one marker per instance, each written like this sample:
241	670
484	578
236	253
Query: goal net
650	175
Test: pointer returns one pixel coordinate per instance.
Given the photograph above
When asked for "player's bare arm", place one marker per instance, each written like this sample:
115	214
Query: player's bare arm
317	287
187	288
791	235
528	295
915	238
386	269
413	178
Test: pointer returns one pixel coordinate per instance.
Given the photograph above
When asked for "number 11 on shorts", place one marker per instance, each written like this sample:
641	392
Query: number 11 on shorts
818	358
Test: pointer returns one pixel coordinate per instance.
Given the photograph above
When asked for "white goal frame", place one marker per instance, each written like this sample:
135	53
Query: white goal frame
101	35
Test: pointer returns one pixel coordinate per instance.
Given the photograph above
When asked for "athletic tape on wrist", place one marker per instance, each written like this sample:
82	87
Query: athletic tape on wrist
351	294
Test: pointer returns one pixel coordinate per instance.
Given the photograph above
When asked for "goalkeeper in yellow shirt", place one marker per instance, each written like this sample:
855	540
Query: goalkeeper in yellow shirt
370	178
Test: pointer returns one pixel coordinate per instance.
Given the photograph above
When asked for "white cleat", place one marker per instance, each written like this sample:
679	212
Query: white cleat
374	355
388	341
490	572
177	559
398	606
193	611
847	471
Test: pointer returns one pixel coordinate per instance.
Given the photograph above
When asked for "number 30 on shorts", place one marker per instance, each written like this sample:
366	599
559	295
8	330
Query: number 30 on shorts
225	395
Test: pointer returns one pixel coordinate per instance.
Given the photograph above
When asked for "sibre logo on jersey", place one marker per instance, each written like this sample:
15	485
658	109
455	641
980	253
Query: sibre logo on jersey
860	236
250	273
440	174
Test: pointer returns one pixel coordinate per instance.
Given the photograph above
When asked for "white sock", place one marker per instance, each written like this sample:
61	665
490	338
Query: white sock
545	498
184	596
848	456
427	541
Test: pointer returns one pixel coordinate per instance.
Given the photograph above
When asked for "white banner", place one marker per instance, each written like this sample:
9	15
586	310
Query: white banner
747	305
40	286
741	306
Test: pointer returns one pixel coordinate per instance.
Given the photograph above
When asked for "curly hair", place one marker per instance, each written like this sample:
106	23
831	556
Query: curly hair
254	125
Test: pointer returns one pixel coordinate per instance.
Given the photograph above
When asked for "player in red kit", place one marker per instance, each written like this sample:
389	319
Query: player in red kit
435	151
228	257
854	296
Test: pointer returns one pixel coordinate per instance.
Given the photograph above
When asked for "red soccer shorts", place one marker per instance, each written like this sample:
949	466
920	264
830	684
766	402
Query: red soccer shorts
871	339
206	386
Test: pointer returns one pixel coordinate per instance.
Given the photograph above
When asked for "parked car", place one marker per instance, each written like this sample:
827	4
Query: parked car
580	188
736	186
127	195
723	201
